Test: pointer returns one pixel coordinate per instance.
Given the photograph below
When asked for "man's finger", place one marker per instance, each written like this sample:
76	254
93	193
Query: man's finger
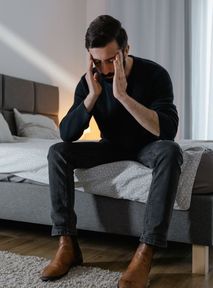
95	76
121	56
90	62
115	63
119	61
117	58
89	74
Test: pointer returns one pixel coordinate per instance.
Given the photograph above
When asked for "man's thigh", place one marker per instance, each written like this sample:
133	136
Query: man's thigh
149	154
89	154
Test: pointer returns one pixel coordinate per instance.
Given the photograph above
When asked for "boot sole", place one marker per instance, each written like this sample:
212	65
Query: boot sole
53	278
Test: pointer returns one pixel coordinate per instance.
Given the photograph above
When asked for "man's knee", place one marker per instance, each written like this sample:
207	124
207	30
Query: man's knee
171	151
56	149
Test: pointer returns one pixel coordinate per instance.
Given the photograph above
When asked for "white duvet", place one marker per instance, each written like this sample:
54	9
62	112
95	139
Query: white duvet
27	158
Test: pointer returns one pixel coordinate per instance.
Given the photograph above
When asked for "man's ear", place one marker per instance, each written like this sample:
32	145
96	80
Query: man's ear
126	51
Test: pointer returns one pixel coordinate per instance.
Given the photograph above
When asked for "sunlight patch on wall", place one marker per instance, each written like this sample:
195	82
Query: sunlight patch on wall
50	68
36	58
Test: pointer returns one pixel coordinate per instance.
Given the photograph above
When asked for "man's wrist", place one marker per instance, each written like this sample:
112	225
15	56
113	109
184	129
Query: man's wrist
123	97
91	96
89	102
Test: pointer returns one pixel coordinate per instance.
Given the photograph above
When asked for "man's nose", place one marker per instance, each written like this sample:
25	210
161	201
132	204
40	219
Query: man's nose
107	68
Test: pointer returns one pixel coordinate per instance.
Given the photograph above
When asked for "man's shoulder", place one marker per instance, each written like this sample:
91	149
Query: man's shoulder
150	72
82	84
148	65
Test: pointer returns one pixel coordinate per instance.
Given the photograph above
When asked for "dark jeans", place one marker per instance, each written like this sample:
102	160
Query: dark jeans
163	156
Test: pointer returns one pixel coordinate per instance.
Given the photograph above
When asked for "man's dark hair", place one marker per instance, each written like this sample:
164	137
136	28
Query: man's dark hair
103	30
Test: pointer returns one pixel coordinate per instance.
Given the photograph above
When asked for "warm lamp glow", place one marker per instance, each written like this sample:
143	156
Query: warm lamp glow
92	133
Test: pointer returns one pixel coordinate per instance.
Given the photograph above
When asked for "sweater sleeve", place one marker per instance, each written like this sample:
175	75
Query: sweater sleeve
77	119
163	105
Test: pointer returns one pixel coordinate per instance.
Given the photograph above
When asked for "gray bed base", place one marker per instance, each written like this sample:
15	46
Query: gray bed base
30	202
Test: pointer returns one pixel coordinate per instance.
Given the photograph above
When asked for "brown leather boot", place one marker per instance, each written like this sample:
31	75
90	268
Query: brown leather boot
68	255
137	273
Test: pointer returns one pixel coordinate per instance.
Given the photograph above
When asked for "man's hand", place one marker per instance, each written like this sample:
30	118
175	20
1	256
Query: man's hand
93	85
146	117
119	79
92	81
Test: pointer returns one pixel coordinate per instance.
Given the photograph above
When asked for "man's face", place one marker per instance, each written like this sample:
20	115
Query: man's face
103	58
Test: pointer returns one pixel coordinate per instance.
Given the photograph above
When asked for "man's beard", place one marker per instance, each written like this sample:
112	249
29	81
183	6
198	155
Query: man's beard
108	78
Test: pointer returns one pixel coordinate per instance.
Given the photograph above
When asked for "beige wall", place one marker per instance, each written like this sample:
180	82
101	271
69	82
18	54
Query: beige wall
43	40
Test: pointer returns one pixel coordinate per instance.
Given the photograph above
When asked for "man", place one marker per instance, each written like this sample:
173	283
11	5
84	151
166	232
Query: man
131	100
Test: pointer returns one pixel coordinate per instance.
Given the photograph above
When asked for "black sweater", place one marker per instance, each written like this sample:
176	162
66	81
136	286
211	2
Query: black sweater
149	84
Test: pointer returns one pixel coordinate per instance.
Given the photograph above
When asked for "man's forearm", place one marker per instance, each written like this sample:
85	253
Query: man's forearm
89	102
144	116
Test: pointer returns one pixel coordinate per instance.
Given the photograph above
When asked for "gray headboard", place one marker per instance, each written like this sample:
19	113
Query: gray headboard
27	96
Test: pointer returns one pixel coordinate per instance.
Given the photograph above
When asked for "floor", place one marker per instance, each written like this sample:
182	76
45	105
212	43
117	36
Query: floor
171	266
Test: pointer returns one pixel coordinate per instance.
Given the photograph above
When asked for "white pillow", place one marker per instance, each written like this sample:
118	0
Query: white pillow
35	126
5	134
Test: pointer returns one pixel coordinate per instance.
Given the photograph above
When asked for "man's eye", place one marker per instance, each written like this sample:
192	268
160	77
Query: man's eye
97	63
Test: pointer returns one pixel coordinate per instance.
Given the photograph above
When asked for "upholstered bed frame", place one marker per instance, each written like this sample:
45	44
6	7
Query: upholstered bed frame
30	202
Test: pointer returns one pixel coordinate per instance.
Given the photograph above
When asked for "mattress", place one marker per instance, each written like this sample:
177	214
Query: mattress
27	158
203	183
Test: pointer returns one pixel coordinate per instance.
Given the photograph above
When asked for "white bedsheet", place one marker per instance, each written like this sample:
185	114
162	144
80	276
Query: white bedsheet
27	158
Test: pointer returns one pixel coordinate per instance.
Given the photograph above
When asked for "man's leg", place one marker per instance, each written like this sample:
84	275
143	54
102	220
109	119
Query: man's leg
165	158
63	158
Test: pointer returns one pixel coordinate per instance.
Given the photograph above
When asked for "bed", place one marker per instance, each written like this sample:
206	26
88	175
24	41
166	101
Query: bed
29	201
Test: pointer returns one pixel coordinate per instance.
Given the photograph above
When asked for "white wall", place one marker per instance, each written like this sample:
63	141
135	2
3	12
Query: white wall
43	40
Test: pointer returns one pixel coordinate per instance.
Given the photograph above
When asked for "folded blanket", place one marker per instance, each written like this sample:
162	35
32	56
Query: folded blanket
131	180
